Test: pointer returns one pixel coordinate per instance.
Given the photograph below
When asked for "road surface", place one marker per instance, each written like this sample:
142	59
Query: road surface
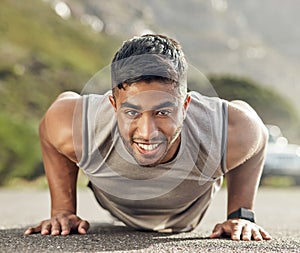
277	210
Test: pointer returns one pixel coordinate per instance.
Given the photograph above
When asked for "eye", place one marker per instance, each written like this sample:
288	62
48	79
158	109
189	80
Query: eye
163	112
132	113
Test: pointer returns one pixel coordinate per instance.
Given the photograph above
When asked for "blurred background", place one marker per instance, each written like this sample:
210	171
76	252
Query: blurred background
248	50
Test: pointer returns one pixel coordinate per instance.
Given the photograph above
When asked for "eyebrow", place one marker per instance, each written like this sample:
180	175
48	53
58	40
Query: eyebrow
165	104
156	107
127	104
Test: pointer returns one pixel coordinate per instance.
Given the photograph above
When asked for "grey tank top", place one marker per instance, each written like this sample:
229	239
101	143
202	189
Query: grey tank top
169	197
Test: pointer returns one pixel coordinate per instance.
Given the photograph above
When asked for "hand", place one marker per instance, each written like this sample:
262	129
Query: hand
61	224
240	229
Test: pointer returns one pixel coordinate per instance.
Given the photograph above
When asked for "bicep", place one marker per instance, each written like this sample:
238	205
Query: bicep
56	127
247	134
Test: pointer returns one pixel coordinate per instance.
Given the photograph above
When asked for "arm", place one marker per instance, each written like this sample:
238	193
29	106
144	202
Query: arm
60	167
247	140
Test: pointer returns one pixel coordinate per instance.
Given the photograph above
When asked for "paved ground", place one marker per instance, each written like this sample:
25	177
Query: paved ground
278	210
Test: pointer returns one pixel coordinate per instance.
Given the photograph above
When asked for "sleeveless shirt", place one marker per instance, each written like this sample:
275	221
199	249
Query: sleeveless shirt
169	197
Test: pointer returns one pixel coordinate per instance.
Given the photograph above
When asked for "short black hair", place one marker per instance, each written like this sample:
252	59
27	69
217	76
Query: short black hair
147	58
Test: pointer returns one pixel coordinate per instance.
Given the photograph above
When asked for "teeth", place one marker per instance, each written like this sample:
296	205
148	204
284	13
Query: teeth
148	147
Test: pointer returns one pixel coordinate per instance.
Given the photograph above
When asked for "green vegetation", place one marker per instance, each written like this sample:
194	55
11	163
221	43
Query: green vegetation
19	149
271	106
41	55
278	181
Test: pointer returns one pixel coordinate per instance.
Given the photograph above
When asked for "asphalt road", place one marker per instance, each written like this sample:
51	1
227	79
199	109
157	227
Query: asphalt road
277	210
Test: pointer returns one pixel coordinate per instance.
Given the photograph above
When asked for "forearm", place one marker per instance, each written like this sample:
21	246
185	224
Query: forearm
61	174
62	185
243	181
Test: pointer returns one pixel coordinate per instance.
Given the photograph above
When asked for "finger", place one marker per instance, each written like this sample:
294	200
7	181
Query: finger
65	226
55	227
237	231
265	235
217	231
32	230
247	233
256	235
46	228
83	227
28	231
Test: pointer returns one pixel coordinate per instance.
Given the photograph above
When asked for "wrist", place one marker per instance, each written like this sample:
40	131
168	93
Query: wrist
242	213
62	212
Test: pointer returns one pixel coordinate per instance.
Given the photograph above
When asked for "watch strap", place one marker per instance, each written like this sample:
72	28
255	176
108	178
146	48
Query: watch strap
242	213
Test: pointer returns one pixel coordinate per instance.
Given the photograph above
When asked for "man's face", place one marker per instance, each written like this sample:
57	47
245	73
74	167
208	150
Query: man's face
150	117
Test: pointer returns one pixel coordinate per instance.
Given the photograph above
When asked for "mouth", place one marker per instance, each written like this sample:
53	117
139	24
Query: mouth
147	148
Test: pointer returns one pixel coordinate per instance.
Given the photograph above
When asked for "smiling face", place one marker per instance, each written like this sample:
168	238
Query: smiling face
150	117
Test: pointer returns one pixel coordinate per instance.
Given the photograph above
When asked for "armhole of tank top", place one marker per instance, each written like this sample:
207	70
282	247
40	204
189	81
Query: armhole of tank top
84	132
224	136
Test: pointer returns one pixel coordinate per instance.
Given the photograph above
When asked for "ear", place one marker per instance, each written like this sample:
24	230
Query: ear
186	105
187	102
113	102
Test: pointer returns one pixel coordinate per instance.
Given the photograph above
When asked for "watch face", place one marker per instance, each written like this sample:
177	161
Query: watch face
247	214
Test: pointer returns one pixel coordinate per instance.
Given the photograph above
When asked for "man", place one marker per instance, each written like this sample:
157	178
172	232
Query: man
154	153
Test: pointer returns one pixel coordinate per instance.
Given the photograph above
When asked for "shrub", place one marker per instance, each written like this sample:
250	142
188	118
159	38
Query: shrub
19	145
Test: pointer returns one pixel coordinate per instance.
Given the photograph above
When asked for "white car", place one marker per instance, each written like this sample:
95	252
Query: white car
283	159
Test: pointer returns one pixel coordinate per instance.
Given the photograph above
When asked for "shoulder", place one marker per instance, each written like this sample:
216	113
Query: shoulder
247	134
199	101
57	124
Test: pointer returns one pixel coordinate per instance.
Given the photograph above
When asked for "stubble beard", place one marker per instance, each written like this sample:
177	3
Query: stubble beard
128	146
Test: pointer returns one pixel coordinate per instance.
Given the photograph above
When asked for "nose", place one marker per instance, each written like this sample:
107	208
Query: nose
147	127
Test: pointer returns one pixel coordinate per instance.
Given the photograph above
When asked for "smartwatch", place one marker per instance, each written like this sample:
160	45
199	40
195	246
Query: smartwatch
242	213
